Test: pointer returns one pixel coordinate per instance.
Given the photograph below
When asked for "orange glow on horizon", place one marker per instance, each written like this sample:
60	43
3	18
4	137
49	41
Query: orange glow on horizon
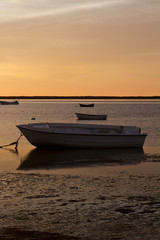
80	50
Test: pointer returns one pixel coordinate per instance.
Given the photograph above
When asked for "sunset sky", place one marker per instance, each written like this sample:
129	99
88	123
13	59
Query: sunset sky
80	47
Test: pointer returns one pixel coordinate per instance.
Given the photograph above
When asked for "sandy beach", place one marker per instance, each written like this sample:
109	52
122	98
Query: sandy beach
71	206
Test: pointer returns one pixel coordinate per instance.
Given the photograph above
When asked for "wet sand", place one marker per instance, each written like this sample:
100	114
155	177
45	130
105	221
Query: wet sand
120	206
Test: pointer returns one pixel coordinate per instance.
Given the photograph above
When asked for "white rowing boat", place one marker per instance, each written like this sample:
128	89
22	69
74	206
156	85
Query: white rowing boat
83	116
82	135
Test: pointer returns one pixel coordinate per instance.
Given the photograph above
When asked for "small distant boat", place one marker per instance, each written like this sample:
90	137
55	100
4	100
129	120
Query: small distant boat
86	105
9	103
82	135
83	116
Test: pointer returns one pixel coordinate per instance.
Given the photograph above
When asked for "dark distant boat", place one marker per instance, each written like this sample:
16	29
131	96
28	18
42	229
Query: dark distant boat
9	103
83	116
82	135
86	105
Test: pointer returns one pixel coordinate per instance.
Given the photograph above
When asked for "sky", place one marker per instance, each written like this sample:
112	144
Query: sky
79	47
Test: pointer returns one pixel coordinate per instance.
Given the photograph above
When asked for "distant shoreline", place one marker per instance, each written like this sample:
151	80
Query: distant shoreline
79	97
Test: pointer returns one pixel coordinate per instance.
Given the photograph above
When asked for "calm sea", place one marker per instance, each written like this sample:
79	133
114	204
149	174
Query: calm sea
145	114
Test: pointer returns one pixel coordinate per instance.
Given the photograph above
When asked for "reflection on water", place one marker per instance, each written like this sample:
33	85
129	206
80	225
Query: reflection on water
63	158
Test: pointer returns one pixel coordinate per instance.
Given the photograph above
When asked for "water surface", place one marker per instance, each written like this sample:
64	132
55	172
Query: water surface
145	114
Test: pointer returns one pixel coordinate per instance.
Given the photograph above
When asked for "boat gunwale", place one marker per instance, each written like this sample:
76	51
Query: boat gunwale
80	134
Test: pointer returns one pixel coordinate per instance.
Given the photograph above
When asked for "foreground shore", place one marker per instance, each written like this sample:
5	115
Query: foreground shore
71	206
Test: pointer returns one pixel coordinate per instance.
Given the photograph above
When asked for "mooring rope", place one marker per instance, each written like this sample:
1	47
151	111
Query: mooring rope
13	143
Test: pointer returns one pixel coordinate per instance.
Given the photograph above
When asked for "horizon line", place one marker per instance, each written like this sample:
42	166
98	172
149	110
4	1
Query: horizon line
79	97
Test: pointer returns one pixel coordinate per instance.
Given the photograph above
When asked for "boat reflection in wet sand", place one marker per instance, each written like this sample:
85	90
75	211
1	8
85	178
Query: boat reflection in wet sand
67	158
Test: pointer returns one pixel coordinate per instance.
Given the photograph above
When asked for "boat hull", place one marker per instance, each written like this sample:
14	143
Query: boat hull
82	116
50	139
86	105
9	103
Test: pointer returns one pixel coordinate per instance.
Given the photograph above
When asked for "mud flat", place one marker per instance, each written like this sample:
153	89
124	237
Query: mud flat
68	204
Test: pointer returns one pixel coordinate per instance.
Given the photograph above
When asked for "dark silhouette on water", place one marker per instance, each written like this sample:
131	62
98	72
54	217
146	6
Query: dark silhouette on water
86	105
9	102
66	158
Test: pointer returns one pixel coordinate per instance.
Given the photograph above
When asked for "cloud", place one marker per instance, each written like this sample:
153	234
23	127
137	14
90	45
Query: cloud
135	10
35	9
16	1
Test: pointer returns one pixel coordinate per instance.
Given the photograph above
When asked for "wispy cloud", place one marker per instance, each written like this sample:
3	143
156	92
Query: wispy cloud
136	10
22	9
16	1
